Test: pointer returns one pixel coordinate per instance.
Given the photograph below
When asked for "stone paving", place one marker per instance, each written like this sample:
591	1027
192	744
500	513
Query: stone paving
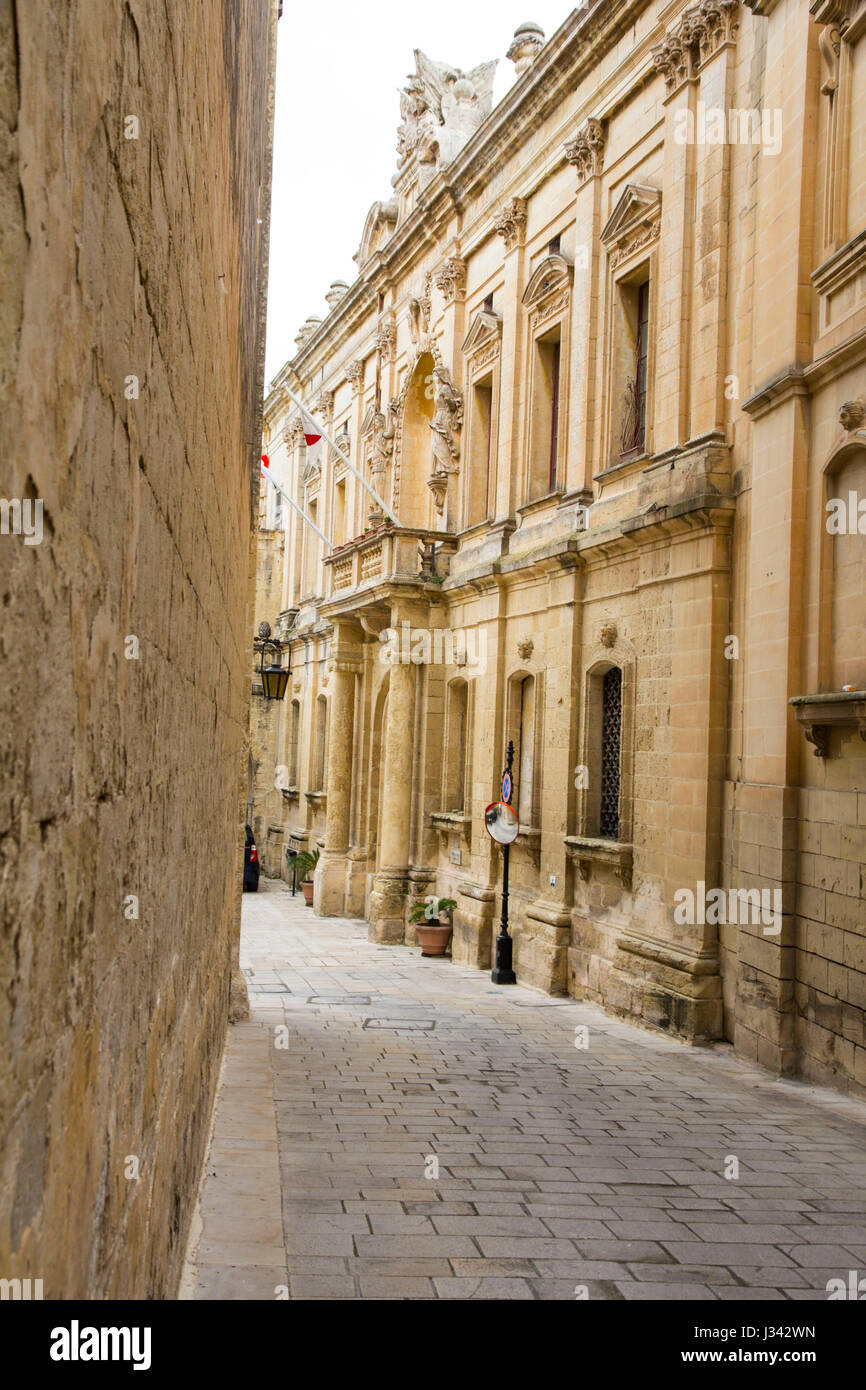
564	1171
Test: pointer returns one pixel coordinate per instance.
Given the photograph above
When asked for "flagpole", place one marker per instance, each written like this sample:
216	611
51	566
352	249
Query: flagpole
348	462
292	503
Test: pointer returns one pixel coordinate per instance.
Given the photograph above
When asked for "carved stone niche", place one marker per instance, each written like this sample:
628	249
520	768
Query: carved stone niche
634	223
586	150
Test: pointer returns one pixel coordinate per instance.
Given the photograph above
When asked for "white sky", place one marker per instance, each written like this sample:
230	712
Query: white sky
339	65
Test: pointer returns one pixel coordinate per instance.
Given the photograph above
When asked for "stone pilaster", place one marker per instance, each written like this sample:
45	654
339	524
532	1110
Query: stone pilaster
331	874
391	884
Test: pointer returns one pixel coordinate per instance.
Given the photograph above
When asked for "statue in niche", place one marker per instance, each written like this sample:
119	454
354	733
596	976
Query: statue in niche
382	447
446	423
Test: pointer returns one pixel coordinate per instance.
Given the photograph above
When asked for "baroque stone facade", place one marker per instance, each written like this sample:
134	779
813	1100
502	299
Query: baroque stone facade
135	189
613	428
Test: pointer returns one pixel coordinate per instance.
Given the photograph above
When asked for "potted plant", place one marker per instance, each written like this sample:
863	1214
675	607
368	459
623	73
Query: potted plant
305	864
434	935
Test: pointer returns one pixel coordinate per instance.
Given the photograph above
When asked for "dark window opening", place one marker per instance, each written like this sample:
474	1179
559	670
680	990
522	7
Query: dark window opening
611	734
554	417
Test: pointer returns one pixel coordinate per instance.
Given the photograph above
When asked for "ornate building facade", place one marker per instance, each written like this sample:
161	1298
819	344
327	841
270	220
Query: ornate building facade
605	362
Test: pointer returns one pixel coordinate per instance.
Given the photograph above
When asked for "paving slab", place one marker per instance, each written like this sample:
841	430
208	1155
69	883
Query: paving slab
425	1135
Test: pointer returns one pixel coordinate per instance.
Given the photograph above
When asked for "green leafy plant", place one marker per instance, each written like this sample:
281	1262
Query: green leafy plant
430	909
305	864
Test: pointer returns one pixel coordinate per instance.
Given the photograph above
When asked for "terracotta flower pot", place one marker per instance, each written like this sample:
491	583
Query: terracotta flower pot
307	890
433	937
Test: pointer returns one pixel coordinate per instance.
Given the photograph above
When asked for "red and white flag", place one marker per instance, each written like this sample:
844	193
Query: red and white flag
312	433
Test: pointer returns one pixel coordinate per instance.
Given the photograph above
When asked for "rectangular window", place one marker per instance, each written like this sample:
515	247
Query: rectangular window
641	349
611	736
545	417
479	480
554	417
294	730
339	535
631	367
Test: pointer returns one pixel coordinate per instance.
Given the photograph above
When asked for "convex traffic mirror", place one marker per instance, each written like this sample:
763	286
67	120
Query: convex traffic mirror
501	823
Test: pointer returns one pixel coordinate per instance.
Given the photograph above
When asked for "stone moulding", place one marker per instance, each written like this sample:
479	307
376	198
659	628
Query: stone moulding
588	850
818	714
451	821
699	965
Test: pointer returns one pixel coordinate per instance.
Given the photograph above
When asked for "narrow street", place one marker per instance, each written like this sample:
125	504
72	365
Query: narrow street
564	1171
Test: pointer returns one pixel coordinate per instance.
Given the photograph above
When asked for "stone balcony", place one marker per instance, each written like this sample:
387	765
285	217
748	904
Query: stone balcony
388	553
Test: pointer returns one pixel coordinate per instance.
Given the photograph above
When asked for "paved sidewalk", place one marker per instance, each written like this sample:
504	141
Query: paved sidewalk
560	1168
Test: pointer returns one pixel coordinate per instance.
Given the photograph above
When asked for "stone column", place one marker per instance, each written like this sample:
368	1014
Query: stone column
391	884
329	899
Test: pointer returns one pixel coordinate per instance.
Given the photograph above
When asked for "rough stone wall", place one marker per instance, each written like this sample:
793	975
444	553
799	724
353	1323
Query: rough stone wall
128	253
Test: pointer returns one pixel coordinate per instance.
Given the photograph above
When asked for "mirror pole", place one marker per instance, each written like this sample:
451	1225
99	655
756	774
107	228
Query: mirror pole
502	973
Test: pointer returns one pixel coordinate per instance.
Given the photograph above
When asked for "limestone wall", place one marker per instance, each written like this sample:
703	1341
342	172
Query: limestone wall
134	194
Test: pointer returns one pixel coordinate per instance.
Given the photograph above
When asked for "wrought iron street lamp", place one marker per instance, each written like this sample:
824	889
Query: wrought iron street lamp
275	678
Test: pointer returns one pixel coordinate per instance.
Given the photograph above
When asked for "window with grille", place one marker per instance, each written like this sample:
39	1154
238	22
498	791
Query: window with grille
611	736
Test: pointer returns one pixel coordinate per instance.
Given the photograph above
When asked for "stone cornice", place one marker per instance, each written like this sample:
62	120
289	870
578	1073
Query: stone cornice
788	383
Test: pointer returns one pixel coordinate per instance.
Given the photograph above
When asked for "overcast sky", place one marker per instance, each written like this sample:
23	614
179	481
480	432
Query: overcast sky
339	65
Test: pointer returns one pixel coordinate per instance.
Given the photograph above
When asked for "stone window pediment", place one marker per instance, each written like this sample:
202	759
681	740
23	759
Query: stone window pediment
550	278
634	222
485	333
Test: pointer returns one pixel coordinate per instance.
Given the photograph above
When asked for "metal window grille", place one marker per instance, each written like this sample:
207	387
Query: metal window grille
611	731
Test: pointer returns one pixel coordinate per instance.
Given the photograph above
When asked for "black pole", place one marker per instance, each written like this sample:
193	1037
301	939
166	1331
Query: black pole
502	973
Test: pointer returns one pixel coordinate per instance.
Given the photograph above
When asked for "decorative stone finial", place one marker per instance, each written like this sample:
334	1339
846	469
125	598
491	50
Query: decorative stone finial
337	291
527	44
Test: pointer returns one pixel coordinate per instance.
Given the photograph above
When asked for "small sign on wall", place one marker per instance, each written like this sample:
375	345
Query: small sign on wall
456	856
